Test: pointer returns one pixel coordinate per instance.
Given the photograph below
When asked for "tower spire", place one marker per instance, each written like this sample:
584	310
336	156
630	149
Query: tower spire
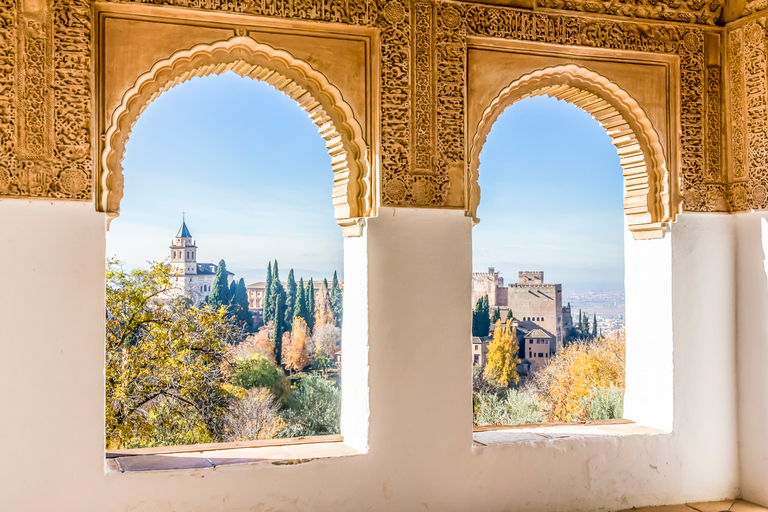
183	230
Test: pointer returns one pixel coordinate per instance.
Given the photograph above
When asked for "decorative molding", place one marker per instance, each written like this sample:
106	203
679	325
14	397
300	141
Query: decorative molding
686	11
45	99
748	116
295	78
9	179
423	72
688	185
34	81
646	179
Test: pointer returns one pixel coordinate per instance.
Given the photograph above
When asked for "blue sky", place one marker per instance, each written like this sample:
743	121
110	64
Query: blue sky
251	172
551	198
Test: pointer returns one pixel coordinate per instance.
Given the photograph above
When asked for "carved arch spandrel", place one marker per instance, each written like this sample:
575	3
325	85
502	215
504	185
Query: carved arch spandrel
649	193
334	118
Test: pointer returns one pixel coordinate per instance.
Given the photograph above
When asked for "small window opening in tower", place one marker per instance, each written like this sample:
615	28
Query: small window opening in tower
548	269
228	197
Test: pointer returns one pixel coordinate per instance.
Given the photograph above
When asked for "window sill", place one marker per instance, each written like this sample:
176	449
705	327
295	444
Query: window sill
277	452
548	432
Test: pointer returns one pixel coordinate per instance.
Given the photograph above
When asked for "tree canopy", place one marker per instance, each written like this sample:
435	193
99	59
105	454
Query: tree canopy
503	359
219	295
481	321
164	358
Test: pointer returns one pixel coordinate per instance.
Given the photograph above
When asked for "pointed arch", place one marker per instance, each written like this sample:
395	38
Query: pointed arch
334	118
649	193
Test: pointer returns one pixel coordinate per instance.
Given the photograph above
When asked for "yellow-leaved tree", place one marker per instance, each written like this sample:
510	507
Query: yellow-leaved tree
296	352
503	359
566	383
164	362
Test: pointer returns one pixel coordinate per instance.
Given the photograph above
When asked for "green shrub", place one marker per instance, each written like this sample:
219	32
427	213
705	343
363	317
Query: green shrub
260	372
313	409
604	404
511	408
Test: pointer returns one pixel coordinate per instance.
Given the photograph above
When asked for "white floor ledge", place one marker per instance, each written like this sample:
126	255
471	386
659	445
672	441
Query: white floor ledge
557	432
212	459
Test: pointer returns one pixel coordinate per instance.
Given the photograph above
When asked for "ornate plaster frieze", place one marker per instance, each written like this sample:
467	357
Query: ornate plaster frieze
686	11
748	115
754	6
646	179
45	99
422	149
685	41
295	78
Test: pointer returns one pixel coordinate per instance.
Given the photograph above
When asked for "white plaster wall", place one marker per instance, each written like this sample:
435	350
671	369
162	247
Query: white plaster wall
420	425
752	353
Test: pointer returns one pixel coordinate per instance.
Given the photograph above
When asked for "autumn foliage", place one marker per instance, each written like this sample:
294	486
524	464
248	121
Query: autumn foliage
503	359
164	362
295	349
566	384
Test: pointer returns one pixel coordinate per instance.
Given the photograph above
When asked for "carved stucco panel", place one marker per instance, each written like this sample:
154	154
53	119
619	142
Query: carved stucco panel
8	171
688	11
422	88
45	99
748	116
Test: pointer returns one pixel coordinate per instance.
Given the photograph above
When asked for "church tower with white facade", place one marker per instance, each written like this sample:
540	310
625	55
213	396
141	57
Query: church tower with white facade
191	279
184	252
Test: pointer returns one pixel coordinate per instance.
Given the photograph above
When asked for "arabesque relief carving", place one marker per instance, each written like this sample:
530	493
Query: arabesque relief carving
45	99
748	113
46	152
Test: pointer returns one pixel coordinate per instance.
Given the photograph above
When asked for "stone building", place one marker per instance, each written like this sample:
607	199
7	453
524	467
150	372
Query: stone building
536	348
256	292
192	279
534	304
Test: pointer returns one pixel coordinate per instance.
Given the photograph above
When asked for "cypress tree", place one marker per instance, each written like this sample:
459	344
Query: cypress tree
495	316
232	291
219	295
277	332
481	321
276	293
240	302
594	326
510	316
310	304
265	306
300	308
476	318
337	302
290	298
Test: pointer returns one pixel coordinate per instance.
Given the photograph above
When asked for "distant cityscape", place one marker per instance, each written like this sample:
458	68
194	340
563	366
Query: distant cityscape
609	307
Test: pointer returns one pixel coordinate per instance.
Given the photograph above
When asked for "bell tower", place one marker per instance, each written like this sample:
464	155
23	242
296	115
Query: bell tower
184	251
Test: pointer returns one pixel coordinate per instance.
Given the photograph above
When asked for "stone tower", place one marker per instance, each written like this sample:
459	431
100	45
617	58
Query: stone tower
184	252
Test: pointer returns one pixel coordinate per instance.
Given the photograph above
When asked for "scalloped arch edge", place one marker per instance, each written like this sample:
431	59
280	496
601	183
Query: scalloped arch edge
650	198
352	182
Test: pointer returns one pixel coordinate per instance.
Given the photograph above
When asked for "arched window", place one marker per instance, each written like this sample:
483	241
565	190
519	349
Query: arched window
542	146
280	127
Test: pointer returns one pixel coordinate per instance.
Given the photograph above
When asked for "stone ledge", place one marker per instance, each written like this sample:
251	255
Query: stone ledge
212	459
535	434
